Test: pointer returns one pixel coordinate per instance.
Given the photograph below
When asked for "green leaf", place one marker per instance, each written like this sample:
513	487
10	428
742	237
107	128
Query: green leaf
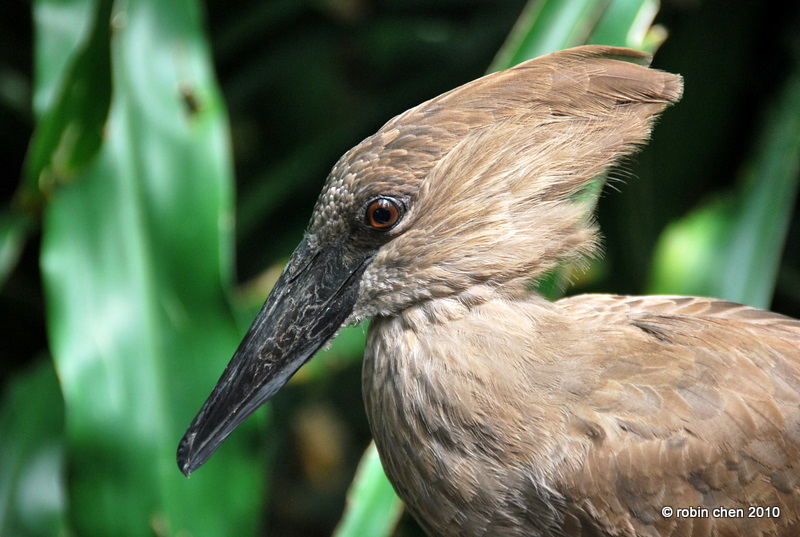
731	248
546	26
14	229
32	495
72	93
550	25
628	23
136	262
373	508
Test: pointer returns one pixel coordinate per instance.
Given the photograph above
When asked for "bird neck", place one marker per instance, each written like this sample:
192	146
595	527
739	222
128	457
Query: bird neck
464	352
437	379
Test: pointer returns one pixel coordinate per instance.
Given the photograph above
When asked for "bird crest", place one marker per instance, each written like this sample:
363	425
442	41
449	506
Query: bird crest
491	175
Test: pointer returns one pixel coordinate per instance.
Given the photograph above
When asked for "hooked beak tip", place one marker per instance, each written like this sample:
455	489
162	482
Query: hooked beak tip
186	464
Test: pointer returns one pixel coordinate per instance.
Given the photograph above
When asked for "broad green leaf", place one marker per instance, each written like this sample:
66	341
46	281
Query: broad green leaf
372	506
32	496
731	248
136	258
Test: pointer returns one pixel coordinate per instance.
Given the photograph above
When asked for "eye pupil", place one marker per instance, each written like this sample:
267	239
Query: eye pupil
382	213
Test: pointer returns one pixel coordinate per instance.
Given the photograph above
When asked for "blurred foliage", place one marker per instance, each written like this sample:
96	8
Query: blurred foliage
135	188
116	235
372	506
32	495
731	246
550	25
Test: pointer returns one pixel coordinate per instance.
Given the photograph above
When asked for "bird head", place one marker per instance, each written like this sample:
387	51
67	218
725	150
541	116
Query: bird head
487	184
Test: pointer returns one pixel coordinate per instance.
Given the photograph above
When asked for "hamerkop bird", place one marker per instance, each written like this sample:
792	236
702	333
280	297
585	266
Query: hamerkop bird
495	411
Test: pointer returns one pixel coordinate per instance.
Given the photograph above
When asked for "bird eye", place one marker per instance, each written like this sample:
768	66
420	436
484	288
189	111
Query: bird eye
382	214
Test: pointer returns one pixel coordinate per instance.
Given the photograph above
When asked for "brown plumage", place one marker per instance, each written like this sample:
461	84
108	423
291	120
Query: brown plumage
496	412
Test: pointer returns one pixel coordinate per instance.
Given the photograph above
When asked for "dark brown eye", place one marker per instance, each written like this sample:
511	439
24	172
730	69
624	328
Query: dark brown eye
382	213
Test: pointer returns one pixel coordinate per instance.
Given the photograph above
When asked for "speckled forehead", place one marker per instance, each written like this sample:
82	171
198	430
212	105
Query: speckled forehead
392	162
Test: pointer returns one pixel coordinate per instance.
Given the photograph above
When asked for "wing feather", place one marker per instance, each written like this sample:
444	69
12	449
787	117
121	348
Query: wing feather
699	403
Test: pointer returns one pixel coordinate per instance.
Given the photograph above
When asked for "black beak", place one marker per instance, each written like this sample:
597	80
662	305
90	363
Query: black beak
312	298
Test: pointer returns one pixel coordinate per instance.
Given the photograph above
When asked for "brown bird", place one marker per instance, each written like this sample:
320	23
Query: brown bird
495	411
